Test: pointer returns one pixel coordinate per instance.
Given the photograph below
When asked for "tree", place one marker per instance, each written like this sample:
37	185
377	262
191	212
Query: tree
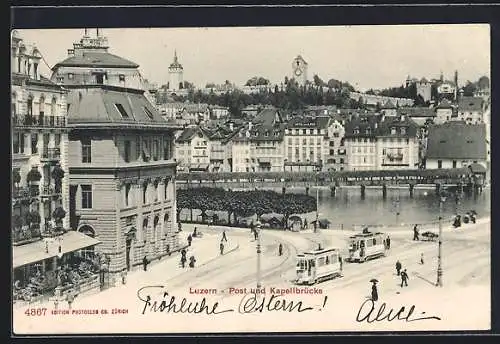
317	81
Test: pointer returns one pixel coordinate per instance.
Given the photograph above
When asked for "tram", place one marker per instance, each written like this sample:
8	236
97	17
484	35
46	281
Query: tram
366	246
319	265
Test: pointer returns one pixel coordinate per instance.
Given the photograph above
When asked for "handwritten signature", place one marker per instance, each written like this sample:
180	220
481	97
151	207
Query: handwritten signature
250	303
367	313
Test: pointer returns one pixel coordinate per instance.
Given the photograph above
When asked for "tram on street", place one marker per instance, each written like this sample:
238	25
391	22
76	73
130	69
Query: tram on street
366	246
317	266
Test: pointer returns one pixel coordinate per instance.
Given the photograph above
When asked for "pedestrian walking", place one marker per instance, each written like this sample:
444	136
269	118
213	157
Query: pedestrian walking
280	249
341	263
145	263
398	267
388	241
374	291
189	239
404	278
124	276
179	227
255	234
183	261
415	233
422	258
195	232
70	297
192	261
224	237
221	246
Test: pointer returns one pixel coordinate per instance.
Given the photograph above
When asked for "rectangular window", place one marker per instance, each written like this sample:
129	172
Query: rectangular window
57	140
156	150
440	164
34	143
86	196
126	155
121	110
122	77
138	147
454	164
86	150
332	143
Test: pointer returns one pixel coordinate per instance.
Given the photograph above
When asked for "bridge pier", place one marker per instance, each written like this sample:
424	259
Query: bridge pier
412	186
363	187
384	191
333	190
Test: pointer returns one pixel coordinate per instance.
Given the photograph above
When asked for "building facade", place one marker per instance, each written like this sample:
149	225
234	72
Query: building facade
471	110
382	143
42	242
304	143
121	164
456	145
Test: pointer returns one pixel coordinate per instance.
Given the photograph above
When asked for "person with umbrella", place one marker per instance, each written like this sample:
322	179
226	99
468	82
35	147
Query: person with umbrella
374	289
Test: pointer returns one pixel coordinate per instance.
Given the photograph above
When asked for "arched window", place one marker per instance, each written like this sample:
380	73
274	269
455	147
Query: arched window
53	107
156	182
156	229
14	103
165	190
41	108
144	229
87	230
30	105
144	193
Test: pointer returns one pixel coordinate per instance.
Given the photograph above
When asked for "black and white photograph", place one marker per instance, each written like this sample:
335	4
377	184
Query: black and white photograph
250	179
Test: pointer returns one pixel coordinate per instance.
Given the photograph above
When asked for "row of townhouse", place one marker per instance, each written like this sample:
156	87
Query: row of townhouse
93	168
368	141
192	113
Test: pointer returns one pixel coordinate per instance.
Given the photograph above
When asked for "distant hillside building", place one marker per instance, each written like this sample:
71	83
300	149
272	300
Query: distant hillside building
175	75
455	145
471	110
424	89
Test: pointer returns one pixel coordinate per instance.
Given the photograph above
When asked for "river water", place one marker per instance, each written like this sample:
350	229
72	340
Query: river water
348	208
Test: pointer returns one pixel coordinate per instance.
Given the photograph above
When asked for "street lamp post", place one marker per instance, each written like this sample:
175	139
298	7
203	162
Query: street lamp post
439	281
317	202
257	228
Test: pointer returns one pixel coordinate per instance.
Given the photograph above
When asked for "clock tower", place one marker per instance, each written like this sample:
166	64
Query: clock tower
299	70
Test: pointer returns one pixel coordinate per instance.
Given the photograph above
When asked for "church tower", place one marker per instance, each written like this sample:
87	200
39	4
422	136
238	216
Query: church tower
175	73
299	70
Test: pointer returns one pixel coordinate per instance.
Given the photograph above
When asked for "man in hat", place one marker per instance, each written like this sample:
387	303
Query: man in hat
374	290
404	278
415	233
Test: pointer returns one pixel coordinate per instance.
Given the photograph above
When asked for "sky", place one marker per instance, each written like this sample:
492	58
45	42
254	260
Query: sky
365	56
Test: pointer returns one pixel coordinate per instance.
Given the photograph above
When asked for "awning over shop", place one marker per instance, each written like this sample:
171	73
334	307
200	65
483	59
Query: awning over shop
35	252
477	168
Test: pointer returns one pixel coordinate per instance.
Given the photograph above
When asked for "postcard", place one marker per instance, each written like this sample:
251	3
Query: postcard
250	179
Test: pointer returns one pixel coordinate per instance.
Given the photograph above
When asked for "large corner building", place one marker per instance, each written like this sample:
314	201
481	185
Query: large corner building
120	156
